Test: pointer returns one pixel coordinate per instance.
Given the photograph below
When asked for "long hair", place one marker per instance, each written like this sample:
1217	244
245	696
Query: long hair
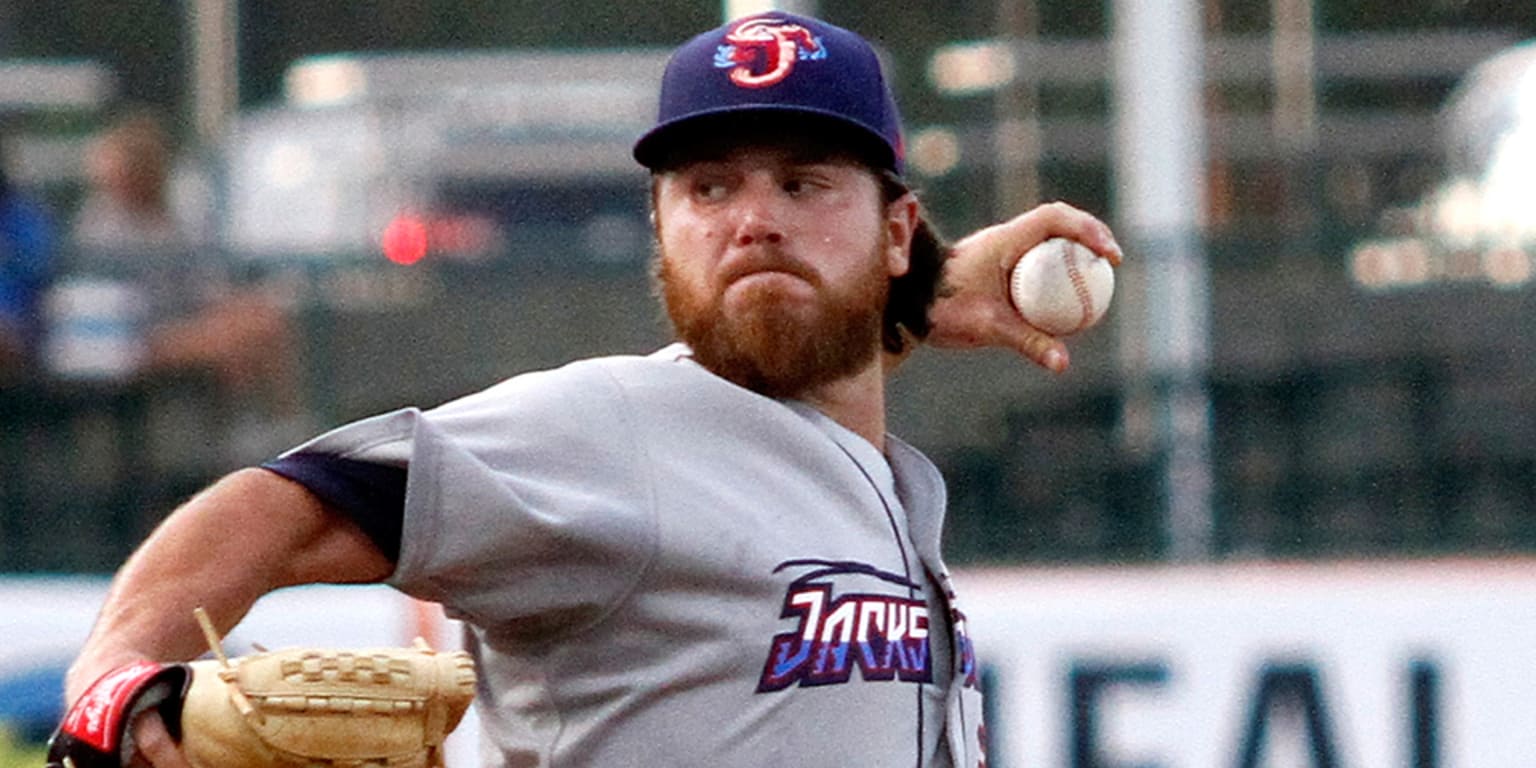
912	294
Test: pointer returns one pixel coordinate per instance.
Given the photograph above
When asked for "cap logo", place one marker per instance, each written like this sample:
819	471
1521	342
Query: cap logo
762	52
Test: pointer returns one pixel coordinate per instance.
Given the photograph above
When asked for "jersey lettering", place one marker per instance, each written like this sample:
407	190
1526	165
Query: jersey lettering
884	637
968	672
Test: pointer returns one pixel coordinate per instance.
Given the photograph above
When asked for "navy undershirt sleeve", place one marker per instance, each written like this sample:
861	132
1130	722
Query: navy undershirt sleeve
371	495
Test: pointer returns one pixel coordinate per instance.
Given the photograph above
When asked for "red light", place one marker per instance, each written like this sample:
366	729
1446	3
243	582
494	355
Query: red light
405	239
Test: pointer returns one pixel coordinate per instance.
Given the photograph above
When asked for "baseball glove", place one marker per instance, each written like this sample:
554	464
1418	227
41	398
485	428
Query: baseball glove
298	708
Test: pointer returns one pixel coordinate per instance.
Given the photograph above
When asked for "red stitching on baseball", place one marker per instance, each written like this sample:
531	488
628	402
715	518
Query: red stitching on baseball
1079	286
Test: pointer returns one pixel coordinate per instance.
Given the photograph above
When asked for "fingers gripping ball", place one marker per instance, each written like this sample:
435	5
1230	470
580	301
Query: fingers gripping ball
389	707
1061	286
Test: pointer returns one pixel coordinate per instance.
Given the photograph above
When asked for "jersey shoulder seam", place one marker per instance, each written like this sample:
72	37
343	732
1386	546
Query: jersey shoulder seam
646	484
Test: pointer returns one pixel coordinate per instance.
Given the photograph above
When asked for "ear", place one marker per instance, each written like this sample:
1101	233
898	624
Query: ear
655	199
901	217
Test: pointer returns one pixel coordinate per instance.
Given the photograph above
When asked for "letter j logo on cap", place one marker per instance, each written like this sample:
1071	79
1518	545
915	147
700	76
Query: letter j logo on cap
762	52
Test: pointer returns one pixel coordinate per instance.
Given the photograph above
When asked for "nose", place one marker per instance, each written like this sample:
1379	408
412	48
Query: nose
758	218
746	236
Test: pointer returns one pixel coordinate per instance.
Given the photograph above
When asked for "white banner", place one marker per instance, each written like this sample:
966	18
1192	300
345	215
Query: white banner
1370	665
1421	665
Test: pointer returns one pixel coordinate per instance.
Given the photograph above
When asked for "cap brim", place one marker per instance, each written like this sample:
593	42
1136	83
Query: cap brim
666	144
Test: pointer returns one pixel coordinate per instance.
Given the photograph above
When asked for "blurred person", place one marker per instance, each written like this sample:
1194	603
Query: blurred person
127	207
27	238
196	318
655	556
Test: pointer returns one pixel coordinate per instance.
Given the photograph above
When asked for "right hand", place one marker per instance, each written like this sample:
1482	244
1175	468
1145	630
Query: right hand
975	311
153	745
118	721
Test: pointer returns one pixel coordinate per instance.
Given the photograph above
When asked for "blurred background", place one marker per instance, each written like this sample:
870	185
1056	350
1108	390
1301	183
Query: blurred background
227	226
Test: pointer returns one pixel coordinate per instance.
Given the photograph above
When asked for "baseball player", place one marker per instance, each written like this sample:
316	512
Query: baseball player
710	555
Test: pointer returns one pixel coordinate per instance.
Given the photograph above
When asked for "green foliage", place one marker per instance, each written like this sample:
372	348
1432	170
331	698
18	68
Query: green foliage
19	754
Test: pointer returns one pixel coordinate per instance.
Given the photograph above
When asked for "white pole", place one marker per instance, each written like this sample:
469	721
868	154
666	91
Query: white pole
215	71
1294	118
1160	206
733	9
1293	59
1016	119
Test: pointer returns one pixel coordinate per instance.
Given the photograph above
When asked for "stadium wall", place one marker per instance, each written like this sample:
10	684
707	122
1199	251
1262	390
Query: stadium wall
1427	664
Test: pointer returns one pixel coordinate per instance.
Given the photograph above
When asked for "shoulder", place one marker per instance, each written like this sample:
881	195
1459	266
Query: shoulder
587	397
576	381
589	382
595	395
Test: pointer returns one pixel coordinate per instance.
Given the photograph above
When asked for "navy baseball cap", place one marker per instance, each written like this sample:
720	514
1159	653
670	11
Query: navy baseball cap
777	65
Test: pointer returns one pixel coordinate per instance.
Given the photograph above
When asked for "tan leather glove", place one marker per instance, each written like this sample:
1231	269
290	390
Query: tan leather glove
343	707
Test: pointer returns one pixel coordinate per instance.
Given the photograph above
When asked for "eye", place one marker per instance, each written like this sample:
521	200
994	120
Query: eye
801	185
810	178
709	190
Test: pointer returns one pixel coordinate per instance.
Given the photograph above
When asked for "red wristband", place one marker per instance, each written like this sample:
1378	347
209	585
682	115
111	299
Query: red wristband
93	734
96	718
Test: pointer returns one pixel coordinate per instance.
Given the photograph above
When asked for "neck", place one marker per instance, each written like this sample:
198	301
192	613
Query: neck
856	402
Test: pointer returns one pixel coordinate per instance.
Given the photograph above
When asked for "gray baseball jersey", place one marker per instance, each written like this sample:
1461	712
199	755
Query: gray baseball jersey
661	568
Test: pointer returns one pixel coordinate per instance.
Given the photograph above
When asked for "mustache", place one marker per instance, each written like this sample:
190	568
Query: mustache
754	260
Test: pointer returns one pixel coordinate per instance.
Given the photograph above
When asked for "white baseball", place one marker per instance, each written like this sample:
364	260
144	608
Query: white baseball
1061	287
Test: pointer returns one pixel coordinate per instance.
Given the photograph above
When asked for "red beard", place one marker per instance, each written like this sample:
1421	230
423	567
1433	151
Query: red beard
770	346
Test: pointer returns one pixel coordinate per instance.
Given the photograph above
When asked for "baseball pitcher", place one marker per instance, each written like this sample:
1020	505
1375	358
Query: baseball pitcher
709	555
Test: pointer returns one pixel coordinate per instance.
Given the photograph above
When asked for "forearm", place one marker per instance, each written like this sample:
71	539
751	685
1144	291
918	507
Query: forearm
248	534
